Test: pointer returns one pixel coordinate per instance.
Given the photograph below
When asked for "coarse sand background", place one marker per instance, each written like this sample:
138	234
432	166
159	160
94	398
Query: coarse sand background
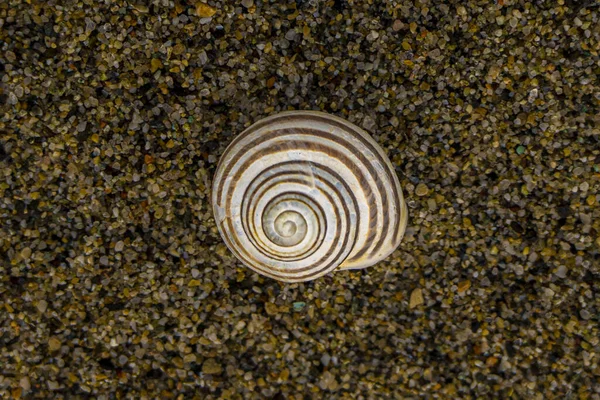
114	282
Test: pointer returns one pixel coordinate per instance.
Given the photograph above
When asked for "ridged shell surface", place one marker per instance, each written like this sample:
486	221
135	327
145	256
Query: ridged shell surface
301	193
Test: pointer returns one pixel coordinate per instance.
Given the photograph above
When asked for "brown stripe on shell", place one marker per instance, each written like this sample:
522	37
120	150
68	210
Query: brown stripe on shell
292	145
327	255
260	246
346	126
347	213
319	166
269	271
366	175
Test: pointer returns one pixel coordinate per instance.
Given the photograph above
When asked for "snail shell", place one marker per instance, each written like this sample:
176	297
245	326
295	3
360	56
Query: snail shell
301	193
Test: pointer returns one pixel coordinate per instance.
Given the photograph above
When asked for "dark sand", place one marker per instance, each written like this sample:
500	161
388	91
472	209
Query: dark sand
114	282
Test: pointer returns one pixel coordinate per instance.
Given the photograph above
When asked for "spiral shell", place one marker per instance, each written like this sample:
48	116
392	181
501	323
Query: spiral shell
301	193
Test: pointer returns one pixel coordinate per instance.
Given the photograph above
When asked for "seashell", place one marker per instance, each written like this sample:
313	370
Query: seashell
301	193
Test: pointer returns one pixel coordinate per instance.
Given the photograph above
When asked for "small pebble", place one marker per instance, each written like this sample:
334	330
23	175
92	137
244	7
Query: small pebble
562	271
204	10
42	306
211	367
585	314
26	253
464	286
54	344
12	98
591	200
431	204
328	381
416	298
271	308
25	383
519	270
422	190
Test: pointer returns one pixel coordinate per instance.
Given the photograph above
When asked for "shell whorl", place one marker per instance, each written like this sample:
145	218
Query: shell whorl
301	193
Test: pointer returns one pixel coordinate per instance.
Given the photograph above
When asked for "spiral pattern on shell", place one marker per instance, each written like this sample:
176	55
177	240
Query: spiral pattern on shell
301	193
